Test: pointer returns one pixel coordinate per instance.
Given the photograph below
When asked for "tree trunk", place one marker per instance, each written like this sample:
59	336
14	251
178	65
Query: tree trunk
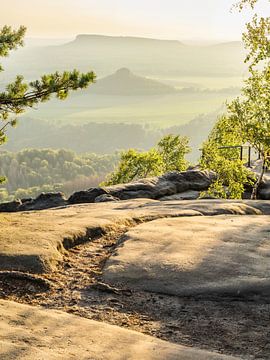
254	194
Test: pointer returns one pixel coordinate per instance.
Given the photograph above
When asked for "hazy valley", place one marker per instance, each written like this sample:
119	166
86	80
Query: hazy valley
145	88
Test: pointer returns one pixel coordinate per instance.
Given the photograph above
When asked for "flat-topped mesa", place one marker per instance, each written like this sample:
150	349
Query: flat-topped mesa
88	38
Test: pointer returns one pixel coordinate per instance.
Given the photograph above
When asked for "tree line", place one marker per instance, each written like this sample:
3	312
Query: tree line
32	171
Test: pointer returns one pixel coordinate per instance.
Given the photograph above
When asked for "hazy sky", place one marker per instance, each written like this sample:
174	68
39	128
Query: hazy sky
173	19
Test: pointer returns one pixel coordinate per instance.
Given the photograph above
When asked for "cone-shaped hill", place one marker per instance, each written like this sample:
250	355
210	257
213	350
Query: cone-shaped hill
124	82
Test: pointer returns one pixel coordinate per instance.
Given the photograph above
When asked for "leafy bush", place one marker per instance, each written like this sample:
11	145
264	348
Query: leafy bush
168	155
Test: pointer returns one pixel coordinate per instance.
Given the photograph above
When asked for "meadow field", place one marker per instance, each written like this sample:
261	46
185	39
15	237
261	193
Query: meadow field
158	111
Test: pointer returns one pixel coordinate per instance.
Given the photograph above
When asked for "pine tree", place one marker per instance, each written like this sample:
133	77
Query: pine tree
20	95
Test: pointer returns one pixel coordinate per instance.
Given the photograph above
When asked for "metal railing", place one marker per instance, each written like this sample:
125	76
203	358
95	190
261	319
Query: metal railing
242	152
249	154
241	155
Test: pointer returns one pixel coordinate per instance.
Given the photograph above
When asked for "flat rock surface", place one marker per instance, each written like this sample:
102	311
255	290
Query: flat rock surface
36	241
198	255
216	253
30	333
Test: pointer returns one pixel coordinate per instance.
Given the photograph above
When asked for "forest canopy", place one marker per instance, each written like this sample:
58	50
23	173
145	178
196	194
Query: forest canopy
32	171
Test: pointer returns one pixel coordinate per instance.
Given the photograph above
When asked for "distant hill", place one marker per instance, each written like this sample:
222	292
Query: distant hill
150	57
124	82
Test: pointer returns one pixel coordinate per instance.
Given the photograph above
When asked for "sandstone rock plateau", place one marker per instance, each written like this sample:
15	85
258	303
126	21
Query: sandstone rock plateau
194	273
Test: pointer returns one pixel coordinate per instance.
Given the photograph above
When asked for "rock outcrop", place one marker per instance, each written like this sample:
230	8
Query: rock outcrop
105	198
175	185
264	190
169	184
43	201
150	188
87	196
186	195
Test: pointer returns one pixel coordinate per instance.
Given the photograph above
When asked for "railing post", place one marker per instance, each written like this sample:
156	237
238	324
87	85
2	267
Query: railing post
249	156
241	153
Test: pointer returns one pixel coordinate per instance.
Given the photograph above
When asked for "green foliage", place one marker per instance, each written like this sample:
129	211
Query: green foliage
172	150
134	165
168	155
20	95
31	171
242	3
256	38
10	40
232	175
251	111
247	119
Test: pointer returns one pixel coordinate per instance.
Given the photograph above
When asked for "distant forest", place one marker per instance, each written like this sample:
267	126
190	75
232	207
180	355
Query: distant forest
32	171
41	156
104	138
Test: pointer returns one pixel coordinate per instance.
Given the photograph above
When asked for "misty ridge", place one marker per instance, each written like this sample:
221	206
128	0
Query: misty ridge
106	54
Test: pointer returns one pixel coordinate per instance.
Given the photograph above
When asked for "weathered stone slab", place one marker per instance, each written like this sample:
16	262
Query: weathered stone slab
35	241
222	255
165	185
30	333
149	188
